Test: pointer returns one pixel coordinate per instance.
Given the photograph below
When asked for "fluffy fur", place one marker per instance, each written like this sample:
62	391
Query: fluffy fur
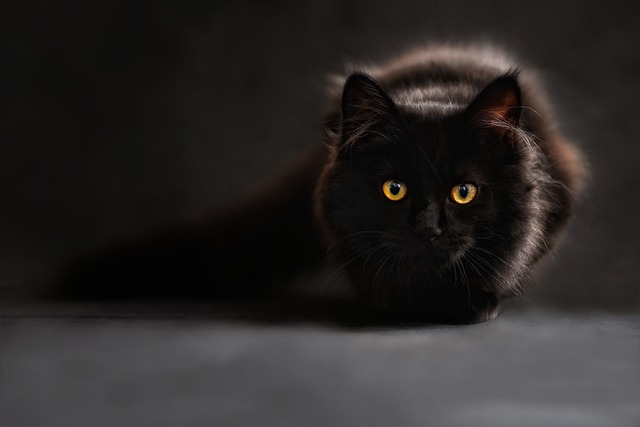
436	118
433	118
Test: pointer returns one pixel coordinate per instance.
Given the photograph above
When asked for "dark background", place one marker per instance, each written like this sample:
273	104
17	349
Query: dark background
120	115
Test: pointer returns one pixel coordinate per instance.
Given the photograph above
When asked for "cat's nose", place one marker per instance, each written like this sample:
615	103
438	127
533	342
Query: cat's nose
428	232
430	223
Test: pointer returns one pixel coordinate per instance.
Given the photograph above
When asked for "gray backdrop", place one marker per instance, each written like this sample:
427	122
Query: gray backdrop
120	115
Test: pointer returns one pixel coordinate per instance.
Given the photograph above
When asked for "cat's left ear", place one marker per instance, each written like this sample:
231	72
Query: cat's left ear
498	106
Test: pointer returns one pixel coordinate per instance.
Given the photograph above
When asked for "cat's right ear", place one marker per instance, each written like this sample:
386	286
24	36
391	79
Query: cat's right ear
366	109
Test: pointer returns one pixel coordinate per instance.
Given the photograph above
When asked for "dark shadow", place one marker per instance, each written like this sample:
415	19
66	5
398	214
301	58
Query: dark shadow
295	311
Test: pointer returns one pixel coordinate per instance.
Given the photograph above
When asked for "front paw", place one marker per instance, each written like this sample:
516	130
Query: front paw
454	308
486	309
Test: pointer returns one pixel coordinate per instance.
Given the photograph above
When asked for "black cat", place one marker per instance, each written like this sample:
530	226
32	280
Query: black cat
442	182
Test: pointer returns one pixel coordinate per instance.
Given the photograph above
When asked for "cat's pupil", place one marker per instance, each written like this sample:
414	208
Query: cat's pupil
395	188
463	190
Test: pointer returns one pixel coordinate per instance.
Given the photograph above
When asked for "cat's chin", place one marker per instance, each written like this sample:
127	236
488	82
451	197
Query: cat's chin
437	256
431	257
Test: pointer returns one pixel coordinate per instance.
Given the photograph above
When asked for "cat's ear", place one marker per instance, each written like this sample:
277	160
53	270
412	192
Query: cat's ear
497	108
365	108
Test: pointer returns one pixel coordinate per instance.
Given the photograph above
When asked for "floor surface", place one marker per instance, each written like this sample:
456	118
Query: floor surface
205	366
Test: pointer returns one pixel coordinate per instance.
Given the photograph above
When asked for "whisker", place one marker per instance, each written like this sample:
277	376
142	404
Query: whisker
493	255
486	266
349	236
455	273
375	279
465	282
473	263
334	273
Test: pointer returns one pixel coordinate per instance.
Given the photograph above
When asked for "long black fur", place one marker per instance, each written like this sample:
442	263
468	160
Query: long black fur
434	118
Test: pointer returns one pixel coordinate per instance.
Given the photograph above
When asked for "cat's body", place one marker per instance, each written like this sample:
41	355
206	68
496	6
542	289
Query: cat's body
443	180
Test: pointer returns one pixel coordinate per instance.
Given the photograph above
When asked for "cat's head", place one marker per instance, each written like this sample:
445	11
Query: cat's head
429	205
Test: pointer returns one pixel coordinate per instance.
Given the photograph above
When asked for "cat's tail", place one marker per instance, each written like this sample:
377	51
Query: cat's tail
245	251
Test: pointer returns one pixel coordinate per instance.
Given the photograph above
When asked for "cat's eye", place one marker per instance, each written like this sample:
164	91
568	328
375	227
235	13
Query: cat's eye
394	190
463	193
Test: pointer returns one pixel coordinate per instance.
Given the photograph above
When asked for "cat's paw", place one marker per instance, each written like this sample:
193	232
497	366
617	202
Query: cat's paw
483	307
451	308
484	314
476	307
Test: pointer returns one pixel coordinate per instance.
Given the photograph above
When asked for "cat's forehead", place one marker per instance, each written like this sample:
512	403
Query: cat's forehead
439	142
433	132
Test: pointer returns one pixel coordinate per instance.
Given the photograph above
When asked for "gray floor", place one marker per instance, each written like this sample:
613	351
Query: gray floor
141	366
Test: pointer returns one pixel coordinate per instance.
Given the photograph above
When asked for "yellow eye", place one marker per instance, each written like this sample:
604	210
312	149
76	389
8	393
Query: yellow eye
394	190
464	193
